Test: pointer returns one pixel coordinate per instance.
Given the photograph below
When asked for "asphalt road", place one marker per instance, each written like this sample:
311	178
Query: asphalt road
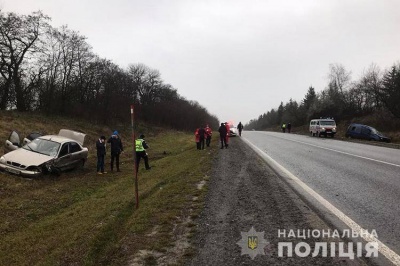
244	192
363	181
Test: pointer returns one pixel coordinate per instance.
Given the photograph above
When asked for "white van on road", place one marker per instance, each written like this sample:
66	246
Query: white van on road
323	126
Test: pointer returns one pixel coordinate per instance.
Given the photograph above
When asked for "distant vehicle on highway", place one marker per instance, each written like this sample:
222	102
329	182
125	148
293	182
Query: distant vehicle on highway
322	126
360	131
233	131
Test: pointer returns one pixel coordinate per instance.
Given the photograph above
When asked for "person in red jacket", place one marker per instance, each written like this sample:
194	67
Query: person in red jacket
197	138
208	135
228	131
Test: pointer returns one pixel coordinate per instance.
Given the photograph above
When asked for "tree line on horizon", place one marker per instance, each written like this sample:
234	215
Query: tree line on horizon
54	71
376	94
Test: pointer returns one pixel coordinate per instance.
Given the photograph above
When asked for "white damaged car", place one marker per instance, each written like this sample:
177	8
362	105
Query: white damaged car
50	153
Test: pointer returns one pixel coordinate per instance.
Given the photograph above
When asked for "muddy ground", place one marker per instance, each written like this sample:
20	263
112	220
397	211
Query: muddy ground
243	193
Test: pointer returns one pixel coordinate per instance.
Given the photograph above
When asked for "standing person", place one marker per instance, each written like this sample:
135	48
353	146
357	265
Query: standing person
101	152
222	135
289	127
283	127
116	149
240	128
141	146
202	135
208	135
197	138
228	131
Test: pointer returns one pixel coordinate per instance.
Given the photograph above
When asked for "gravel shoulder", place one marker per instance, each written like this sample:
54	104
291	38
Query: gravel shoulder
244	192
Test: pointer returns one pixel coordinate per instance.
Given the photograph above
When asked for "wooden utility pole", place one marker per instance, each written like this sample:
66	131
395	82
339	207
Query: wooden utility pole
135	166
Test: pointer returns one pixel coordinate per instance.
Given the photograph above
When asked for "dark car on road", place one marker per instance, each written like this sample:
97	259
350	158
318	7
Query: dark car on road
359	131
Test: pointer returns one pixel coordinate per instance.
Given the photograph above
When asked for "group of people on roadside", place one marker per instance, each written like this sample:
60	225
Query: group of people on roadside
288	126
224	133
116	149
204	135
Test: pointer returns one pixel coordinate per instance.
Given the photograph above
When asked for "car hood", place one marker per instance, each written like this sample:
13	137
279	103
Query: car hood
380	136
27	158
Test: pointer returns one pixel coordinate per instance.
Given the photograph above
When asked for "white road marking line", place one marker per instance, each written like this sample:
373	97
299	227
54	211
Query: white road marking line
342	152
383	249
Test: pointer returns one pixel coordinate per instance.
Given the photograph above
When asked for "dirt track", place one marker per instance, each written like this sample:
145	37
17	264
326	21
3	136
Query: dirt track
245	192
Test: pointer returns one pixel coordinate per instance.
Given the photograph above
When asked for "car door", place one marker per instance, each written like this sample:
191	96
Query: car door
13	142
64	157
365	133
317	128
77	156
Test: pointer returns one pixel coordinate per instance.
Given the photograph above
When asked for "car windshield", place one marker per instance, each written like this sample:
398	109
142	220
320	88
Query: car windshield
374	131
43	146
327	123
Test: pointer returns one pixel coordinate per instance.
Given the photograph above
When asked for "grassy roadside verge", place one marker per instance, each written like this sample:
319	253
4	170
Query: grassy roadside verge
86	219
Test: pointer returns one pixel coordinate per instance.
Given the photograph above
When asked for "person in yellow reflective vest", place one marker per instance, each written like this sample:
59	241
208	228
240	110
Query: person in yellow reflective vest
141	147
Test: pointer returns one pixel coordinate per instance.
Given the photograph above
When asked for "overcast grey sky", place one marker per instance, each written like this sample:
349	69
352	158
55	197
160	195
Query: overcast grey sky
237	58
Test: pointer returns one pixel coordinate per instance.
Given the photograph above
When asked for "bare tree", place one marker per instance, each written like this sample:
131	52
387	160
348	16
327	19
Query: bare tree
372	81
339	77
137	73
151	87
55	71
18	39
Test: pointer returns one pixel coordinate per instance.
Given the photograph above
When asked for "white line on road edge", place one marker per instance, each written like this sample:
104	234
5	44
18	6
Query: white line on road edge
383	249
342	152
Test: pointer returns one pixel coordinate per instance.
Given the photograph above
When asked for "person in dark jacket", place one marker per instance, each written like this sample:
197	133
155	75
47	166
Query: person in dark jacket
116	149
240	128
101	152
222	135
202	136
289	127
140	147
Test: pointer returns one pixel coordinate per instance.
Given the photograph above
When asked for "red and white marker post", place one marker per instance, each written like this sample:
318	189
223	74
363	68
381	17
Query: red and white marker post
134	157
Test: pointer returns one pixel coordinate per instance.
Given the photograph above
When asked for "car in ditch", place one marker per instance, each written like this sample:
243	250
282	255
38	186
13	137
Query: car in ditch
359	131
46	154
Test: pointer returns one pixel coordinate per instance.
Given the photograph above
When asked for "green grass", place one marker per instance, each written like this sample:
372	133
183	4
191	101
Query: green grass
88	219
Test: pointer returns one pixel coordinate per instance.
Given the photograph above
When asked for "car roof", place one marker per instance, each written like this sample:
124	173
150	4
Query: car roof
57	138
360	125
324	119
